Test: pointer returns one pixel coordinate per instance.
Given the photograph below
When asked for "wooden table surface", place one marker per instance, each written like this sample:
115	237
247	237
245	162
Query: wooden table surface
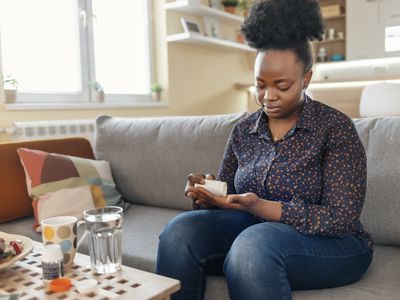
25	278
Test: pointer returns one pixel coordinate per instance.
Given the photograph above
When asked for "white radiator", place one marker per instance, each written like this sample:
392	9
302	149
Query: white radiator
53	129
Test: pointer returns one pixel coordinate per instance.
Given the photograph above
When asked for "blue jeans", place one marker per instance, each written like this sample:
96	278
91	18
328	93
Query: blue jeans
260	260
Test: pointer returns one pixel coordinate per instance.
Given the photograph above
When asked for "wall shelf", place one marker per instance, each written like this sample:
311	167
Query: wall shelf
326	49
330	41
204	41
341	16
185	6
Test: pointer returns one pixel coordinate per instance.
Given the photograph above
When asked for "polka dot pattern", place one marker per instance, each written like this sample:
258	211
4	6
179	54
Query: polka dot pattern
63	232
317	171
48	232
65	235
66	245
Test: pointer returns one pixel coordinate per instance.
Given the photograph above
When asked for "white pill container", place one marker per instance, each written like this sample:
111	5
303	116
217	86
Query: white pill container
218	188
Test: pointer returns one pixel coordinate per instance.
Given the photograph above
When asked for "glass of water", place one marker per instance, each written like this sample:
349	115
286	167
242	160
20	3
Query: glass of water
104	226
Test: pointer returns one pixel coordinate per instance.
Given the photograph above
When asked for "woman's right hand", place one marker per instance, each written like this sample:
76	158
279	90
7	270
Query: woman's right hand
191	192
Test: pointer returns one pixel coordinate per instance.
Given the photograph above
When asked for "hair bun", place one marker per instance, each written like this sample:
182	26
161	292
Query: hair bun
279	23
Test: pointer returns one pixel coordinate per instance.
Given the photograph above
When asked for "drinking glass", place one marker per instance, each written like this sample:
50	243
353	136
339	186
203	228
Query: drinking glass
104	227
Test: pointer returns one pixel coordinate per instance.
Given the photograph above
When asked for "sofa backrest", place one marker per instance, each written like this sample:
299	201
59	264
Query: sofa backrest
14	199
151	157
380	215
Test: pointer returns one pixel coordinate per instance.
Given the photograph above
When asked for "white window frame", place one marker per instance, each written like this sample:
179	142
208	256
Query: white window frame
88	94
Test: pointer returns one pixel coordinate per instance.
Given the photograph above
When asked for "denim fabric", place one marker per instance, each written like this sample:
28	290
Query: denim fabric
260	260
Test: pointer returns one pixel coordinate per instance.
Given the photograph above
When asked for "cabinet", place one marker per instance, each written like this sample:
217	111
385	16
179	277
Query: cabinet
205	14
333	45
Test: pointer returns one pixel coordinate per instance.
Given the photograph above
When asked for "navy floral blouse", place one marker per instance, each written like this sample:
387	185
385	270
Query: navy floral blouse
317	171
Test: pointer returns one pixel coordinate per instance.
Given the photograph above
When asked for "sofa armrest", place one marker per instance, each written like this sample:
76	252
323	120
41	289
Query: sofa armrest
14	199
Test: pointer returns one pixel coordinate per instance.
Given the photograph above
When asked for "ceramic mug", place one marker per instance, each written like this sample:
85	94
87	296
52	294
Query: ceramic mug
62	230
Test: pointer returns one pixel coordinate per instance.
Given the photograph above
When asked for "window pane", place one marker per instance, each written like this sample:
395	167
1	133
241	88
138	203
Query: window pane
392	38
40	44
121	42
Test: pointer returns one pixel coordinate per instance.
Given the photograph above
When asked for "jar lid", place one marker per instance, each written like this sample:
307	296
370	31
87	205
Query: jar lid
60	285
86	285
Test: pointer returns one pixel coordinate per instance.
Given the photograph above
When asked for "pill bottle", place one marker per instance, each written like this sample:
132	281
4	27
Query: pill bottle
218	188
52	263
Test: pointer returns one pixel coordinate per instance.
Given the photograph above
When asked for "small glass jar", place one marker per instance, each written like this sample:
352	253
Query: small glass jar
52	263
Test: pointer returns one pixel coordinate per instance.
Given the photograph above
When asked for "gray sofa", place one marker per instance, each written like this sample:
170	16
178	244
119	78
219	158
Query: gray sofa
151	157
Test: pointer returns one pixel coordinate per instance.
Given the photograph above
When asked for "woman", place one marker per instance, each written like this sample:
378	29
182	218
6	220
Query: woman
296	175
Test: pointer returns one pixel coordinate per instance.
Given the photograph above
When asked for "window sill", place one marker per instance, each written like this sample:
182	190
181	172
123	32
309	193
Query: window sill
76	106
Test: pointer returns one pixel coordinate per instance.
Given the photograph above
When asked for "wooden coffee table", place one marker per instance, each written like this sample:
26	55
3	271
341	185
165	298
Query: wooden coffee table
25	278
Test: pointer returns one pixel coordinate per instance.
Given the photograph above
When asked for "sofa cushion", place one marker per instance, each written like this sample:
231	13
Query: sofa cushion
12	177
380	214
381	281
145	151
65	184
22	226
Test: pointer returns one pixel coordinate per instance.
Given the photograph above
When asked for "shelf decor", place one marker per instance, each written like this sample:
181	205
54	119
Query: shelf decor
230	5
191	26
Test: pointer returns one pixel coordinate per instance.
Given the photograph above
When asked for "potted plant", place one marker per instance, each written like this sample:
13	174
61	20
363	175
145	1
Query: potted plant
156	90
244	6
99	91
230	5
10	86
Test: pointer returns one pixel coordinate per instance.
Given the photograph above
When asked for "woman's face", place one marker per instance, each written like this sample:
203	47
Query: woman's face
280	81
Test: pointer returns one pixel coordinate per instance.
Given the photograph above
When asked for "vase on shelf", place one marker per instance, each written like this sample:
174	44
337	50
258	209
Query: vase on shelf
230	5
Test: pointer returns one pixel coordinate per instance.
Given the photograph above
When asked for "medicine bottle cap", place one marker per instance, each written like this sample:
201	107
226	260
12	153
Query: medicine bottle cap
52	252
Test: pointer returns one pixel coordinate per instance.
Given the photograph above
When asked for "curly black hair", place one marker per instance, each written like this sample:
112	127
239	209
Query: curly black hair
284	25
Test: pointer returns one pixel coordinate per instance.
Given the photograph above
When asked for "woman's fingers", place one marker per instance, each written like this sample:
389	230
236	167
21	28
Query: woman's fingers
194	178
205	193
204	200
203	203
210	197
194	195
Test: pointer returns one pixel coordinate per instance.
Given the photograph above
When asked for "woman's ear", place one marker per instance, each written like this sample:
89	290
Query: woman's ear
307	79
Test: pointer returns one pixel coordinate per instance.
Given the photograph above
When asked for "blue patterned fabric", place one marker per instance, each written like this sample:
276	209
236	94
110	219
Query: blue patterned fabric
317	171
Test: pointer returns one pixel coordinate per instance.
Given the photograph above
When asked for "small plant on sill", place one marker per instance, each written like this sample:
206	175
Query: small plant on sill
10	81
10	86
156	90
244	6
99	88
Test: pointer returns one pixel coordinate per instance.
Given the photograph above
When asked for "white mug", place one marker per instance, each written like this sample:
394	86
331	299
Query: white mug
62	230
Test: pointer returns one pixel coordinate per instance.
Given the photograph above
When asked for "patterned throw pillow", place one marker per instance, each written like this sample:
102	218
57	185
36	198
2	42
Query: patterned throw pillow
66	185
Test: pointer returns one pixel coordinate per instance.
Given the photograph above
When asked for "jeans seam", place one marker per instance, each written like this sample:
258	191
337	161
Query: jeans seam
207	258
200	283
354	253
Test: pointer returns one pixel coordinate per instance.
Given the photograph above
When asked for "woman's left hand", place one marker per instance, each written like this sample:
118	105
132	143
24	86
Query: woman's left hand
238	201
